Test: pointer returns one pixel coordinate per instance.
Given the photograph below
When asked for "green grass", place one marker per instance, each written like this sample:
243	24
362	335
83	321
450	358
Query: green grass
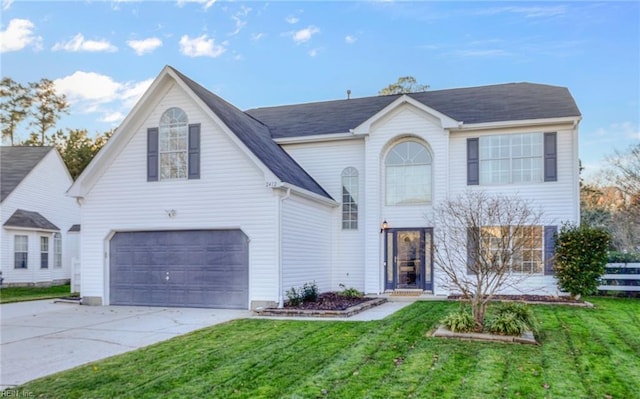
20	294
585	353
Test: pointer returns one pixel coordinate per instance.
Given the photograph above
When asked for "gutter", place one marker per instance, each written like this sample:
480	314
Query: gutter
309	194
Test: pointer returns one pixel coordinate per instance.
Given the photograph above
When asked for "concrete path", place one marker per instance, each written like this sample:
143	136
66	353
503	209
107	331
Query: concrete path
41	337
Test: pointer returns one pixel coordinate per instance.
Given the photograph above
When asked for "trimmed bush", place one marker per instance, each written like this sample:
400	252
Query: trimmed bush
623	257
310	292
581	256
507	323
349	292
459	321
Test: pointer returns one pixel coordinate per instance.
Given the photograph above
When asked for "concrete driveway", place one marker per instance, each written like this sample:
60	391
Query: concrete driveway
41	337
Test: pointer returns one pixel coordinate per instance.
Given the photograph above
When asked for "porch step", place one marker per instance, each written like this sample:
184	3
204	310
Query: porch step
408	292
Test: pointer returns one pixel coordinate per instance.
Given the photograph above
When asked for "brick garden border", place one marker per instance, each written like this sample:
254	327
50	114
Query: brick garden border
293	312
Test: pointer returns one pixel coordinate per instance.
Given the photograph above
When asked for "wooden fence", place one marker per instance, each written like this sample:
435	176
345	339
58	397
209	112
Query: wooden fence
621	277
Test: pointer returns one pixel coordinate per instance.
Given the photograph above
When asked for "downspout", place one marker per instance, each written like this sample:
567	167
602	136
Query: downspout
280	282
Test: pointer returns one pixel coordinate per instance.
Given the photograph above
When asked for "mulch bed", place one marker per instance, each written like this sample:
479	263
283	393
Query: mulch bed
531	298
330	301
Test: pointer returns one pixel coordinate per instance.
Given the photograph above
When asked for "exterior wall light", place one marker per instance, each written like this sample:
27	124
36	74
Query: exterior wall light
384	226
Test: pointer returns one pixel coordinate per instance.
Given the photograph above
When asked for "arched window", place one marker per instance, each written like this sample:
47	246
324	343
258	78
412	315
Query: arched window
172	140
408	174
350	198
57	250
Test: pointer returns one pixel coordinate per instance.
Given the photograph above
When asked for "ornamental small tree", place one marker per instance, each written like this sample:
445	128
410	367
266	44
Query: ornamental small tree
581	257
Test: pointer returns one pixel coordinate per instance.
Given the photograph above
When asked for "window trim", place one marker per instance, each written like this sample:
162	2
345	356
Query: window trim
352	191
164	130
25	252
429	165
57	250
540	249
540	178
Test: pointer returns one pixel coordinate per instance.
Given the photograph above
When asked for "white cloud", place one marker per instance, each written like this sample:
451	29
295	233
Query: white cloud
6	4
480	53
90	92
206	4
619	130
292	20
78	43
200	46
314	52
145	46
239	25
18	35
527	12
257	36
304	35
349	39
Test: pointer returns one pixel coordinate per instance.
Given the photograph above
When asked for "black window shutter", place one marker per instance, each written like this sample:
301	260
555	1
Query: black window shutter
152	154
194	151
549	248
550	157
473	161
473	243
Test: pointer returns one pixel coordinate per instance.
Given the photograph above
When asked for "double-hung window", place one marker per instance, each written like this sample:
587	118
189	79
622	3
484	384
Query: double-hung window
21	252
513	158
44	252
520	247
57	250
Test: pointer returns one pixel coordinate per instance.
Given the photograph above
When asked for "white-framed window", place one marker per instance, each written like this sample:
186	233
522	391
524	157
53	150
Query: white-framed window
524	244
44	252
57	250
511	158
408	174
173	134
350	198
21	252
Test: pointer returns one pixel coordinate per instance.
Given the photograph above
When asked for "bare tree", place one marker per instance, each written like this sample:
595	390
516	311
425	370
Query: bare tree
484	245
14	107
626	173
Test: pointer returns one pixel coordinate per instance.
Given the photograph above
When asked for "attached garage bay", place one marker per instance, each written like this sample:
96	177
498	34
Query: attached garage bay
196	268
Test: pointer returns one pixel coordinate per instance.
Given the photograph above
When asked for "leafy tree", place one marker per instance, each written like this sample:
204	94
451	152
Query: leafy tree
581	257
77	148
405	84
487	234
14	107
626	165
48	107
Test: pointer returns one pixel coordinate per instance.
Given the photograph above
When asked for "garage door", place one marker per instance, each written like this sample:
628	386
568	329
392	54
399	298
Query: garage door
180	268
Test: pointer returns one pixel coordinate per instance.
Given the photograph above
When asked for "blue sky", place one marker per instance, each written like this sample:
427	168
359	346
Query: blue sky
104	54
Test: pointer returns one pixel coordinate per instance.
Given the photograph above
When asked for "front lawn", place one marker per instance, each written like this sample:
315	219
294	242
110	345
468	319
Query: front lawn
19	294
586	353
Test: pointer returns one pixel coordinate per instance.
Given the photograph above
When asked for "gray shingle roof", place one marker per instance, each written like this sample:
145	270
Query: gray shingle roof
15	164
74	228
30	220
256	136
503	102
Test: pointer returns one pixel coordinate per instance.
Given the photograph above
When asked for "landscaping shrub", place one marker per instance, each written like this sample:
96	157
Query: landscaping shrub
349	292
507	323
581	256
459	321
308	293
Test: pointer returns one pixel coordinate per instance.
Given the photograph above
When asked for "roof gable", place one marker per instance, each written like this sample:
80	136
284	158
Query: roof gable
472	105
16	163
30	220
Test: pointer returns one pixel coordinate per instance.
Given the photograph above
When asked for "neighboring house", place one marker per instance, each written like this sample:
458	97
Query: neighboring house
193	202
36	215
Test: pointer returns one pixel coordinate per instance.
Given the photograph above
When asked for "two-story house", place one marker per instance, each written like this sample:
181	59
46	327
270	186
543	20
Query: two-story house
194	202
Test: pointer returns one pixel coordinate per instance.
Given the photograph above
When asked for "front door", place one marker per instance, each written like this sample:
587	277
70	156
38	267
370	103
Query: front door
408	261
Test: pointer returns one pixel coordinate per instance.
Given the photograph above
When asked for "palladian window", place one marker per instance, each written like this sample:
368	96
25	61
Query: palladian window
408	174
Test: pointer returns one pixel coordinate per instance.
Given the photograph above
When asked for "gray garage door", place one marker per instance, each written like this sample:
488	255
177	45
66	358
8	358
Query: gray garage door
200	268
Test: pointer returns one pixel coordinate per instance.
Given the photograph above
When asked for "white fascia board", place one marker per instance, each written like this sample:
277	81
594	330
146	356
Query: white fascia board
316	138
84	183
30	229
446	121
572	120
309	194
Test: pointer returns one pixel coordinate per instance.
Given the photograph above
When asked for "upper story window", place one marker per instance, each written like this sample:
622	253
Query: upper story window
21	252
408	174
512	159
173	142
173	148
350	199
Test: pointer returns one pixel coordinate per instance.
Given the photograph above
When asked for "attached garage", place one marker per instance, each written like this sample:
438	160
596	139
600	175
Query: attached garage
195	268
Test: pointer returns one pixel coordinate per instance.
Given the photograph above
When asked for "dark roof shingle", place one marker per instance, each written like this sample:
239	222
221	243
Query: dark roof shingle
495	103
15	164
30	220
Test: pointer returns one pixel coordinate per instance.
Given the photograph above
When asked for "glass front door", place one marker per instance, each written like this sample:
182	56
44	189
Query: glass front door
408	259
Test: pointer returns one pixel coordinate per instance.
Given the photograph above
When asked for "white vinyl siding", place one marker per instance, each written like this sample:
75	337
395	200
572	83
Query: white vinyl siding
511	158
